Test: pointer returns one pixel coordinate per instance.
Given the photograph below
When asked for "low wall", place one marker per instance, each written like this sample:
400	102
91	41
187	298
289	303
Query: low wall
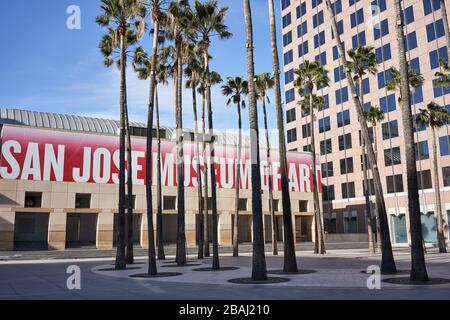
345	237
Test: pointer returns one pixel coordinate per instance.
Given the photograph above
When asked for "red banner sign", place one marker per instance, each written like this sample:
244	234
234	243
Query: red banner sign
52	155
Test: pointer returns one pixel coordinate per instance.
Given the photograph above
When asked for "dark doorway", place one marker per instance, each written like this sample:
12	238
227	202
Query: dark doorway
210	228
137	223
31	231
81	230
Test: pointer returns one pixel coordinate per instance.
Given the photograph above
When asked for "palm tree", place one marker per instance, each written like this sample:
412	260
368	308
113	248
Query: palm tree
311	75
435	117
215	79
290	261
259	270
363	60
444	75
193	71
177	29
119	18
415	80
418	267
236	88
387	257
375	115
208	20
265	82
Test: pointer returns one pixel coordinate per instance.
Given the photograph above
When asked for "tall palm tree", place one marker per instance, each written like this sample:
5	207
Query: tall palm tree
265	82
418	267
290	261
394	84
208	20
119	18
259	270
215	79
193	72
443	75
375	115
236	88
387	257
363	60
312	75
177	29
435	117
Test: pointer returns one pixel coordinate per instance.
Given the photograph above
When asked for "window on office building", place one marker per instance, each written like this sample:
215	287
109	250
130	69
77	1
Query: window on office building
290	95
438	90
424	179
430	5
301	10
417	127
289	76
325	147
302	29
286	20
319	39
388	103
340	27
288	57
337	7
389	129
303	48
357	17
392	156
394	183
346	165
446	176
33	199
287	38
348	190
339	74
411	41
381	29
322	58
341	95
422	152
444	146
324	124
306	130
169	202
326	103
318	19
345	141
435	30
370	135
292	135
384	77
336	51
371	187
436	55
315	3
285	4
359	40
82	200
383	53
327	169
368	164
290	115
328	193
366	86
343	118
380	4
307	148
409	15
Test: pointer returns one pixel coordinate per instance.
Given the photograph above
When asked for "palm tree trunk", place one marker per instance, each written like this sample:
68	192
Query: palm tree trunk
387	257
181	235
215	239
290	261
129	257
446	26
205	174
271	208
199	179
120	255
319	245
259	271
437	194
237	186
152	269
159	214
418	267
377	212
366	180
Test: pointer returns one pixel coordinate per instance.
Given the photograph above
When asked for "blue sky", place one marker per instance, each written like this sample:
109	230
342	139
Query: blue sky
47	67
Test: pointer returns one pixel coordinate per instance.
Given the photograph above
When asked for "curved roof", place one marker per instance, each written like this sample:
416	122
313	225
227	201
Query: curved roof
97	125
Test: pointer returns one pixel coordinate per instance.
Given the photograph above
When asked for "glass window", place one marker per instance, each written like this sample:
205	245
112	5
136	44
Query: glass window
285	4
324	124
326	103
340	27
83	200
325	147
411	41
435	55
307	148
357	17
414	64
383	53
394	183
417	96
328	193
383	78
388	103
341	95
343	118
359	40
319	39
302	29
430	5
346	165
289	76
337	6
416	127
290	95
435	30
444	146
409	15
389	129
306	130
303	48
33	199
287	38
327	169
301	10
322	58
286	20
336	51
348	190
381	4
290	115
371	187
446	176
366	86
422	152
318	19
439	91
292	135
315	3
381	29
288	57
339	74
345	141
370	135
424	179
392	156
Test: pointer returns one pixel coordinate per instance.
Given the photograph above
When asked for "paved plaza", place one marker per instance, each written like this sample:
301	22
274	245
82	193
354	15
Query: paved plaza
337	276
